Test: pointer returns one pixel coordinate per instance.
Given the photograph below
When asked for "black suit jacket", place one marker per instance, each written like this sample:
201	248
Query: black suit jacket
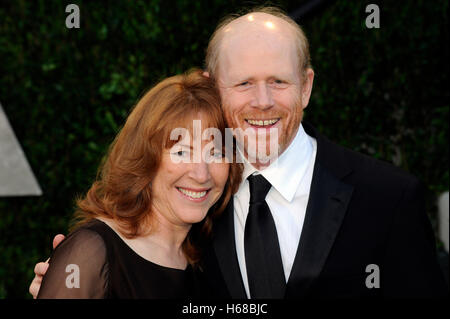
360	212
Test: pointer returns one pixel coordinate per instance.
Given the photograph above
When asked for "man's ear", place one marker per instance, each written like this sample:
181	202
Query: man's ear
206	74
307	86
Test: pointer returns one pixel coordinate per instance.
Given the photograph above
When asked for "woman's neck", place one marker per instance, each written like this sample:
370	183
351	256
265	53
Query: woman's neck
162	245
166	234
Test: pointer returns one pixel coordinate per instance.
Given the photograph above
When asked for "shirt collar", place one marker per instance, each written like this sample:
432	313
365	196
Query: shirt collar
287	171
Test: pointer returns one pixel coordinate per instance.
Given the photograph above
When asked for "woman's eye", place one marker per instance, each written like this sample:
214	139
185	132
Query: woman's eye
180	153
215	153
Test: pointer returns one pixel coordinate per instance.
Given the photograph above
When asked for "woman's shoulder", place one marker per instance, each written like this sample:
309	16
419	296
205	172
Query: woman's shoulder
100	226
88	237
97	232
80	261
94	226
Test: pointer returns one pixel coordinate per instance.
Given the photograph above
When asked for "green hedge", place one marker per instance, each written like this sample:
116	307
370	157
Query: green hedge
383	92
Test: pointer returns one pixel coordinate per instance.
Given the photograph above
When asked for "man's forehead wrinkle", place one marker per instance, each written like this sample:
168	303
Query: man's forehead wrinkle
241	43
244	47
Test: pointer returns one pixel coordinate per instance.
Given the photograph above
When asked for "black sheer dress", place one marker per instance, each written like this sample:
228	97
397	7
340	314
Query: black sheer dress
109	268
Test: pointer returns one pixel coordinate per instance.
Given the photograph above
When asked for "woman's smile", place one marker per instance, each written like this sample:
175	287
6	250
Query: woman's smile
195	195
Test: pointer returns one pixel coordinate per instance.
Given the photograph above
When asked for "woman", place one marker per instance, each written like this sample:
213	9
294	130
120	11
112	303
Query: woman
134	236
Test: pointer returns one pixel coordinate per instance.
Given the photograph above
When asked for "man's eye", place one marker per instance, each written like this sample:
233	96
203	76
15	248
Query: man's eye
280	83
243	83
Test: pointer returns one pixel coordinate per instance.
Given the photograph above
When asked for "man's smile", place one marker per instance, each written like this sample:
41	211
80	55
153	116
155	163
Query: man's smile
262	122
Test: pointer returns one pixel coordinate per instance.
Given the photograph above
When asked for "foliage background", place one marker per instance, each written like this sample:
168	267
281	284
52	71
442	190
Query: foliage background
383	92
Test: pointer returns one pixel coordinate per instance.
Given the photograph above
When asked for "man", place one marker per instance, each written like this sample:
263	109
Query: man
312	223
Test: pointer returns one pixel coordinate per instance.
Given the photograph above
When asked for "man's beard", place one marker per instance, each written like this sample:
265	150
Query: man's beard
250	144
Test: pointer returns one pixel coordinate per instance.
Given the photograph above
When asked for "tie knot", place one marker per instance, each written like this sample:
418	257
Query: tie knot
259	187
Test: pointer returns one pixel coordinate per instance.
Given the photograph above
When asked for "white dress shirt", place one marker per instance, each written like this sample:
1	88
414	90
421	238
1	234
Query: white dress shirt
290	176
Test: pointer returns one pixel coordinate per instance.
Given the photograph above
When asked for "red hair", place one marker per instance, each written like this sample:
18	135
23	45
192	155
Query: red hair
122	190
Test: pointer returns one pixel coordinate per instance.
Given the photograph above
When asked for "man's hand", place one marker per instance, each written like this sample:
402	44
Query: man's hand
41	268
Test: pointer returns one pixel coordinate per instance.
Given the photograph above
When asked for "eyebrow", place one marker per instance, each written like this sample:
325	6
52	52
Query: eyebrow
285	77
184	145
242	79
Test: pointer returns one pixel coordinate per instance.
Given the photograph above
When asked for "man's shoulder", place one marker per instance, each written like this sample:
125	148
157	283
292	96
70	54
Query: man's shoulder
360	169
373	171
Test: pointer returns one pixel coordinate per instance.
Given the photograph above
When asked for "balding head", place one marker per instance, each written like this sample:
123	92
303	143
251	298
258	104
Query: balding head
262	23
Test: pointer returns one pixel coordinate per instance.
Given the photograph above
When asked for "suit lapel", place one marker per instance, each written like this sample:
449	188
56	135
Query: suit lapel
225	248
327	205
324	214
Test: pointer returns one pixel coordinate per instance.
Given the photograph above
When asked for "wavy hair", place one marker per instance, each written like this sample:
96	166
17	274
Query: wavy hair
122	189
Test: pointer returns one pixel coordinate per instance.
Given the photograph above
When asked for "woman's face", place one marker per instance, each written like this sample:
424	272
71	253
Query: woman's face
183	191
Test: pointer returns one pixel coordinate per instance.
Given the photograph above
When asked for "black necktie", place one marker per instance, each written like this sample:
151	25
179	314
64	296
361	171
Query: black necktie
262	251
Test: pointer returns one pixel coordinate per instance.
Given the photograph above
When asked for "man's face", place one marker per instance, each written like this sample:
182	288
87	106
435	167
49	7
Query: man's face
260	83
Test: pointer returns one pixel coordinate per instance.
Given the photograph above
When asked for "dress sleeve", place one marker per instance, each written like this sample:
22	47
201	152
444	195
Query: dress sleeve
78	268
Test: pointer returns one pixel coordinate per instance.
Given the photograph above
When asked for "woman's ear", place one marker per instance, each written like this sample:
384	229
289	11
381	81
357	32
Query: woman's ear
206	74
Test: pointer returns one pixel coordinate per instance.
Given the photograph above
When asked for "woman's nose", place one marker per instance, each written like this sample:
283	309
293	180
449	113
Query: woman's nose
200	172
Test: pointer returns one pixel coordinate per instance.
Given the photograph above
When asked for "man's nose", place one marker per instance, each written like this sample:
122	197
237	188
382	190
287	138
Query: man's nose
200	172
263	96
